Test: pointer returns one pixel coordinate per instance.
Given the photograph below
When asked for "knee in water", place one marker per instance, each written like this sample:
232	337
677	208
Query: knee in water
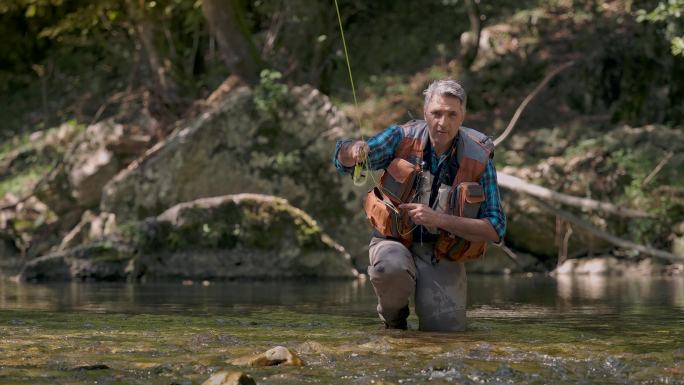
388	271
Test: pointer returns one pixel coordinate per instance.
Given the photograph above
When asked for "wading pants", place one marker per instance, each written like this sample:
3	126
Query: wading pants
398	273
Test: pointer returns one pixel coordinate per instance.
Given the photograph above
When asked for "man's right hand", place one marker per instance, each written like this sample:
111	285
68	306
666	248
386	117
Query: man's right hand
354	154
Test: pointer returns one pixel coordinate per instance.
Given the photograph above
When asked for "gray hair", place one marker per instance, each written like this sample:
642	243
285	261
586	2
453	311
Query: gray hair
445	87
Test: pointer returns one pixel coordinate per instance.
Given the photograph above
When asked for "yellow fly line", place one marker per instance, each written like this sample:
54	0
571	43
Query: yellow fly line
361	170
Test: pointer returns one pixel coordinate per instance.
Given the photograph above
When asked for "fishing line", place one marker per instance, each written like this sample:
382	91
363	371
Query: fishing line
362	169
358	176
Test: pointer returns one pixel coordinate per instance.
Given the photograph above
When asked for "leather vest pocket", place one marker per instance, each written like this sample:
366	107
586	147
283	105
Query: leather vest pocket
381	215
399	179
466	199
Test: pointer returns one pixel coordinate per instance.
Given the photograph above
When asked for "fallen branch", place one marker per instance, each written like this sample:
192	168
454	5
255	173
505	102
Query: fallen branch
509	253
516	184
528	99
657	168
608	237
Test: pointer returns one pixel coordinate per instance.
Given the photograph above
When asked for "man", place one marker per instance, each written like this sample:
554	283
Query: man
420	247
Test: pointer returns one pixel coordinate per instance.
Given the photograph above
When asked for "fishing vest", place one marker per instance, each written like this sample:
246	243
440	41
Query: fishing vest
399	184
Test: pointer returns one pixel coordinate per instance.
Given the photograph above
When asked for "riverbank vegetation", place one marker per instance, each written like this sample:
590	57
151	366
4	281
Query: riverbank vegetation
128	75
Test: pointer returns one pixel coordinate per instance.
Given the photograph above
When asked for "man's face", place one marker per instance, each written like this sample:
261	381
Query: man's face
444	116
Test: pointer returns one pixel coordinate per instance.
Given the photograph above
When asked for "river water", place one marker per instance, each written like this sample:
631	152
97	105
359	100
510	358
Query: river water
522	330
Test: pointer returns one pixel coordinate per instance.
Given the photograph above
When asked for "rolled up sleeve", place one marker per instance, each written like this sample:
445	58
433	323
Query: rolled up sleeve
491	207
382	148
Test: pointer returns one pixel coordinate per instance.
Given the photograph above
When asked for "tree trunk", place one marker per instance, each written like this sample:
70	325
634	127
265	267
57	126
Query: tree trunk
164	85
469	52
234	39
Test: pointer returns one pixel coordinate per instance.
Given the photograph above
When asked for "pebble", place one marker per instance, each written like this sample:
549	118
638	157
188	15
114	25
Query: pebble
229	378
278	355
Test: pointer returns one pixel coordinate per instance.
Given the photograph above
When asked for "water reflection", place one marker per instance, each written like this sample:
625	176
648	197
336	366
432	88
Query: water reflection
175	296
618	291
488	296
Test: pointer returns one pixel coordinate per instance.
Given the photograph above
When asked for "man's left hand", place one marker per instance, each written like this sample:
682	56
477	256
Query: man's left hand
421	214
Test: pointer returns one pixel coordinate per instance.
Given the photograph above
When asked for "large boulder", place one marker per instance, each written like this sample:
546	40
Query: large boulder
249	142
94	157
228	237
238	236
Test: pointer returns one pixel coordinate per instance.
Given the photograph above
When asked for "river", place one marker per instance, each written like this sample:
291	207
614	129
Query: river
522	330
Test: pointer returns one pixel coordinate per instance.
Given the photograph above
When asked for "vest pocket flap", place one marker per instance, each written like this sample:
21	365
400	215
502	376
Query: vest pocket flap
398	180
469	196
474	193
401	170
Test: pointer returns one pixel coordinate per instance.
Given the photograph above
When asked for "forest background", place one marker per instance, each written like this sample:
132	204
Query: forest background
606	124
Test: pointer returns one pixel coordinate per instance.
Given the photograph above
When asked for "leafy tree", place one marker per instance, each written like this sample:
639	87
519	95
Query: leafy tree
671	14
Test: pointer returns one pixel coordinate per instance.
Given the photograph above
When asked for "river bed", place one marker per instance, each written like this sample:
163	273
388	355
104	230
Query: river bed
522	330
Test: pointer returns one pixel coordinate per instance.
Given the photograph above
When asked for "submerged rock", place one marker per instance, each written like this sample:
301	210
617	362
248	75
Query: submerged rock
86	367
229	378
278	355
311	347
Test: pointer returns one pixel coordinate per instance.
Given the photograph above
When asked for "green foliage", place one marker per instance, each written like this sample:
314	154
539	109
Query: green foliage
270	95
671	14
21	184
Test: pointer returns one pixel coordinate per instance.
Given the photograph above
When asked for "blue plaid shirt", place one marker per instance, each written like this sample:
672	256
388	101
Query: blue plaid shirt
382	148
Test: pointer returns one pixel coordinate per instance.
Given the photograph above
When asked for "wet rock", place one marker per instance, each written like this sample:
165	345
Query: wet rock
609	265
379	344
238	236
311	347
229	378
89	367
278	355
96	261
201	341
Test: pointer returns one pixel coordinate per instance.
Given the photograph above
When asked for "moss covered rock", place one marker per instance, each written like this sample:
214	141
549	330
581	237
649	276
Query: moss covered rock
237	236
228	237
269	140
98	261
